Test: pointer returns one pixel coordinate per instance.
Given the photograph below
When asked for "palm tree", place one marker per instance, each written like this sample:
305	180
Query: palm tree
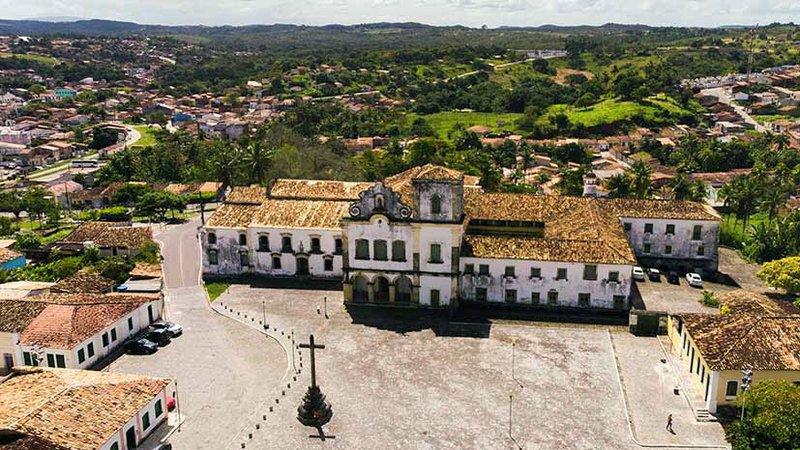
641	181
618	186
773	198
256	158
684	189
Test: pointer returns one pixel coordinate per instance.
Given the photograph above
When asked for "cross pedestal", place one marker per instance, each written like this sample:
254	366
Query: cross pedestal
314	410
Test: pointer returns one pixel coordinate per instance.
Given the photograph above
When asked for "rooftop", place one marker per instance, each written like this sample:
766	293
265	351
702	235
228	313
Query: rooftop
15	316
6	255
65	326
250	195
83	282
318	189
76	409
301	214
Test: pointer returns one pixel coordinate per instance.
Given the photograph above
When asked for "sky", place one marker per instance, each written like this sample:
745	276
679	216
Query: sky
473	13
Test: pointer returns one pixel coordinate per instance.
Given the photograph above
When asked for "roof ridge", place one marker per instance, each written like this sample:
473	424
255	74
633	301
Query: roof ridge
741	338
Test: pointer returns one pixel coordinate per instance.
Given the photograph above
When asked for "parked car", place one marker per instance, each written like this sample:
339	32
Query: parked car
160	337
654	274
638	273
673	278
174	329
140	346
694	279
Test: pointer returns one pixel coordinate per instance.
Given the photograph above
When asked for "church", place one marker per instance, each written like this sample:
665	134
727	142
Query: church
431	237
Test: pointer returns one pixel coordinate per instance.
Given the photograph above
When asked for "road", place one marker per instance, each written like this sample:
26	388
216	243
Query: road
224	368
723	97
49	174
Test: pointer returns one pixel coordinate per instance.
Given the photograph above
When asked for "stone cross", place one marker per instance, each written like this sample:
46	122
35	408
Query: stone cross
312	347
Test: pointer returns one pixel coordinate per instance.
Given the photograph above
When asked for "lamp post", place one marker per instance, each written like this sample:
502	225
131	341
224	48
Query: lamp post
747	379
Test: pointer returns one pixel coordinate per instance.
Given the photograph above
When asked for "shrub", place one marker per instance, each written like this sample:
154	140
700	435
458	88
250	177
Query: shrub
782	273
709	299
27	240
114	214
149	252
7	226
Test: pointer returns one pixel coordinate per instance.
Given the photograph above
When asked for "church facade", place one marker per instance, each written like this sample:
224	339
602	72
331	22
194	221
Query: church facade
431	237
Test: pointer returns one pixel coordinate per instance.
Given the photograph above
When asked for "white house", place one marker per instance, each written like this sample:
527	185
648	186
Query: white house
77	330
116	411
427	238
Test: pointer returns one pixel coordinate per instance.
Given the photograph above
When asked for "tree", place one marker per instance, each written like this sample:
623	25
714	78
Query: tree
11	201
156	204
641	181
7	227
772	418
782	273
421	128
619	186
682	188
27	240
104	137
256	158
130	192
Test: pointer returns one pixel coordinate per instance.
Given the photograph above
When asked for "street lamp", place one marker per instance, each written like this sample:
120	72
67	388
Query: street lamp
747	379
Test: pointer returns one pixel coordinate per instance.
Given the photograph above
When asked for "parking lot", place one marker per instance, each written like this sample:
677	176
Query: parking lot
400	384
682	298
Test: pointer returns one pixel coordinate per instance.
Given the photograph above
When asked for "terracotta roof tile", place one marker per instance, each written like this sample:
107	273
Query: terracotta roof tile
83	282
533	248
251	195
231	215
65	326
76	409
318	189
7	254
300	214
16	315
740	341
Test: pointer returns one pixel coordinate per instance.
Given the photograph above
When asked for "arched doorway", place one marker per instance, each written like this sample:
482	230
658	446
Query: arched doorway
403	290
381	290
302	265
360	289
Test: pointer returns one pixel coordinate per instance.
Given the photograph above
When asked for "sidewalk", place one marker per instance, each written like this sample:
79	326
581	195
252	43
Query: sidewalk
648	384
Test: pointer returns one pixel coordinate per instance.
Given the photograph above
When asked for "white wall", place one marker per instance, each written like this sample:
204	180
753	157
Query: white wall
379	227
140	321
683	246
136	421
261	262
602	293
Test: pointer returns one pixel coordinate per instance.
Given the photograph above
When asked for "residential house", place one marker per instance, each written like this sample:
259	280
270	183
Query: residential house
78	330
11	259
756	333
81	409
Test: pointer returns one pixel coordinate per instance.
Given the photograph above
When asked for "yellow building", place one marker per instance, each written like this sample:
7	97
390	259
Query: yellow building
755	332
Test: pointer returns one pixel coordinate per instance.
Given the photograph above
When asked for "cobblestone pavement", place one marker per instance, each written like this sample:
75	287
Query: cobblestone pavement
417	384
224	369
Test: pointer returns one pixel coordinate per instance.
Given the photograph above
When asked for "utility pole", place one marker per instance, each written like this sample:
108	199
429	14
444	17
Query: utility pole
747	379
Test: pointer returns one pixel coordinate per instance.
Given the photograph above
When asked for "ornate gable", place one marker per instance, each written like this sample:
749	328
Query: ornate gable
380	199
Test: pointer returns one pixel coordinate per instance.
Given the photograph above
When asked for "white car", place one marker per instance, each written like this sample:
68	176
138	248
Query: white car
638	273
694	279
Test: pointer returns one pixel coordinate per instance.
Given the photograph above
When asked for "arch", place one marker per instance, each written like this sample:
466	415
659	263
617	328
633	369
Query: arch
360	288
302	265
380	289
403	289
436	204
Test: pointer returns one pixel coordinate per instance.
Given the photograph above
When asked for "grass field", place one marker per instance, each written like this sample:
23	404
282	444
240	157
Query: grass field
735	236
216	288
148	138
444	122
615	110
766	118
38	58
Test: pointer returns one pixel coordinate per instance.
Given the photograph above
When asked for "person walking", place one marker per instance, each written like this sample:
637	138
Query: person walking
669	424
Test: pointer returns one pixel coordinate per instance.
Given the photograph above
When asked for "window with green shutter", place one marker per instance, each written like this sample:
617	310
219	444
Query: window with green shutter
436	253
158	409
26	358
90	349
81	356
362	249
697	233
51	360
380	250
60	362
146	420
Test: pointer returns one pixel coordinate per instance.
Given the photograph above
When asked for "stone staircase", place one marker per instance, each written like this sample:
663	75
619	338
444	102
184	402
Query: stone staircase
703	415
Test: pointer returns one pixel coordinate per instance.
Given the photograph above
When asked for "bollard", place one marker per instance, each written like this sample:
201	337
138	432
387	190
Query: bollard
264	417
249	435
270	410
294	378
277	400
288	385
243	444
258	426
283	393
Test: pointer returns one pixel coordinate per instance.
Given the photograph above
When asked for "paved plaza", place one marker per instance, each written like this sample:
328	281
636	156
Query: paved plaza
419	383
